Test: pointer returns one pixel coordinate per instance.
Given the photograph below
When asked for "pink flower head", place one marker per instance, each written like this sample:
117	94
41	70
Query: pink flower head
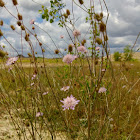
97	48
61	36
82	49
103	70
32	84
45	93
38	114
75	57
65	88
102	90
69	103
76	33
11	61
68	58
32	21
10	69
34	76
123	86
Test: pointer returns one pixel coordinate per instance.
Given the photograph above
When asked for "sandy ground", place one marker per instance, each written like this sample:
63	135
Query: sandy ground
7	131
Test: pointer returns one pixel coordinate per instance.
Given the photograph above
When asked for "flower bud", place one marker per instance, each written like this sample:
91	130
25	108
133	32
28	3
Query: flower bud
1	23
70	48
43	50
68	12
26	37
1	33
98	40
56	51
18	23
15	2
2	4
81	2
97	17
22	27
19	16
2	53
102	27
40	44
12	27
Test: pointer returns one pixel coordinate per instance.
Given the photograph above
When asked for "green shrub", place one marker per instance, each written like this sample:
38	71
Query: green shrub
128	53
117	56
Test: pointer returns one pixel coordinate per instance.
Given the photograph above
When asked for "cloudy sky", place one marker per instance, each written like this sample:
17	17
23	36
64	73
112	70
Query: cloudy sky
123	25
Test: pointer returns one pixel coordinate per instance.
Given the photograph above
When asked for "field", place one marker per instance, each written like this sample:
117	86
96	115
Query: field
114	114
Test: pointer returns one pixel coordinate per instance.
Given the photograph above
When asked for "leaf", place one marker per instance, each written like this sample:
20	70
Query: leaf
40	11
51	20
43	16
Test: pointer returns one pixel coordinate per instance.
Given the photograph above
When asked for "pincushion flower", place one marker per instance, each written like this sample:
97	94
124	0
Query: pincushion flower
69	103
32	21
75	57
11	61
38	114
68	58
97	48
45	93
102	90
32	84
82	49
76	33
61	36
65	88
34	76
103	70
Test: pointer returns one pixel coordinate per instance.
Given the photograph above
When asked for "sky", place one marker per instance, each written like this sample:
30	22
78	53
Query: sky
123	26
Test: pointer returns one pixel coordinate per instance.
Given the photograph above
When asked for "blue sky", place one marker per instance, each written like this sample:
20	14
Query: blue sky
123	26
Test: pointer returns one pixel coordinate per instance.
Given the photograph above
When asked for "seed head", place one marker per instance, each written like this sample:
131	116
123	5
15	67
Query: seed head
70	48
15	2
99	40
19	16
33	27
1	33
101	15
43	50
105	37
2	3
65	15
29	54
26	37
68	12
22	27
12	27
18	23
81	2
1	23
56	51
97	17
83	42
2	53
102	27
40	44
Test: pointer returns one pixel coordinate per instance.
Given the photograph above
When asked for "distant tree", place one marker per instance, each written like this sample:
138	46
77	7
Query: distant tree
128	53
117	56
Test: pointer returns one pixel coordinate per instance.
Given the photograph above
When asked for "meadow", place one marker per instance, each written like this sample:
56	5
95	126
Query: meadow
115	114
80	93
